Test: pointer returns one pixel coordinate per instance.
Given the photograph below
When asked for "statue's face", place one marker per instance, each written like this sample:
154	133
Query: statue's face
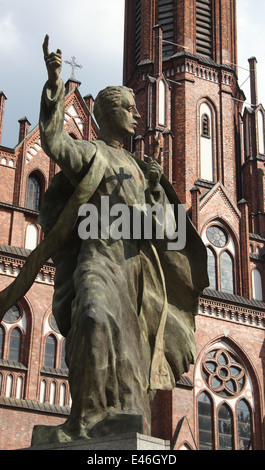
123	120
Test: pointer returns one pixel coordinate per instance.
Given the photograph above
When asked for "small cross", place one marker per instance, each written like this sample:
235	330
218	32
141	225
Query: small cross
120	177
74	66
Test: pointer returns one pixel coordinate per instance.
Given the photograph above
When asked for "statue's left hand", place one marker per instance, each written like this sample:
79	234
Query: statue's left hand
154	172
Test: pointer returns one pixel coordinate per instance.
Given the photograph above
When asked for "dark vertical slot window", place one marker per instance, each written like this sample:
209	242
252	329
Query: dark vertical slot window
204	28
137	31
166	21
205	422
211	268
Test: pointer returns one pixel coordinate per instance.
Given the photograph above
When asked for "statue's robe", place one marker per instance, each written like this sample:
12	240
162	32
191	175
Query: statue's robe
109	295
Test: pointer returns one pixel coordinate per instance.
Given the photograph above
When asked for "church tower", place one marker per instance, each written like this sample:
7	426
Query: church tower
180	58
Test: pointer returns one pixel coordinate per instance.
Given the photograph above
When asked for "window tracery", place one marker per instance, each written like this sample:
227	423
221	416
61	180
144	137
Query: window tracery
224	400
221	258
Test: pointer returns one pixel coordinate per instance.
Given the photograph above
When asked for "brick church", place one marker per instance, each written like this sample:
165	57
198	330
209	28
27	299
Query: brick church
180	58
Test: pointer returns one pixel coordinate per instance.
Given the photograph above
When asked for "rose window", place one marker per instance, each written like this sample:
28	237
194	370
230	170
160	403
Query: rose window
217	236
223	374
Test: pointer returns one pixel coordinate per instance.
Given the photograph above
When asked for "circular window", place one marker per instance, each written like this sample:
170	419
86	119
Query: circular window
223	374
217	236
12	315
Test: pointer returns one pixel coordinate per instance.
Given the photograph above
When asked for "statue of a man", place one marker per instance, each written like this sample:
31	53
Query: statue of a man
125	305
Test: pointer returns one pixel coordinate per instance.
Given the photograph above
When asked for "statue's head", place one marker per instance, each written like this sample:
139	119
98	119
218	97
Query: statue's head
115	111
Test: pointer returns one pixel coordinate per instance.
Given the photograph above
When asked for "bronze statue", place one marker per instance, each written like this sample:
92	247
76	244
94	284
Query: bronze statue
125	305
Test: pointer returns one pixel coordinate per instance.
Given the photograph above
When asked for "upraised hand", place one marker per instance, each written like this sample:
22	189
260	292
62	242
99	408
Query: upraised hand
154	172
53	62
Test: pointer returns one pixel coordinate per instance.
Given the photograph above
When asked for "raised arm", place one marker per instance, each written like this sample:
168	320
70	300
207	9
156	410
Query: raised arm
73	156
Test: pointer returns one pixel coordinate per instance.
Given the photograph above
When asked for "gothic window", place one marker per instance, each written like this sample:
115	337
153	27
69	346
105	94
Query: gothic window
211	268
32	235
227	276
19	387
204	28
220	251
62	395
224	384
244	425
165	20
205	422
9	385
63	363
42	391
33	193
223	374
50	351
206	143
256	285
225	428
14	345
11	335
52	393
53	323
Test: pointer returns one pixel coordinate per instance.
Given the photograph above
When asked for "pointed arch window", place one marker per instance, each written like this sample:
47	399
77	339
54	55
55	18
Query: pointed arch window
14	345
220	254
225	428
206	143
33	193
50	351
211	268
225	415
244	420
205	422
227	276
63	363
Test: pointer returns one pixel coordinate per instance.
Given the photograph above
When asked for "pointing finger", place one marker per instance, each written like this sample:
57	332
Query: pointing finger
45	46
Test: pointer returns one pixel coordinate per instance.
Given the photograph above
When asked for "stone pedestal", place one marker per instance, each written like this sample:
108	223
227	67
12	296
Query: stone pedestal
131	441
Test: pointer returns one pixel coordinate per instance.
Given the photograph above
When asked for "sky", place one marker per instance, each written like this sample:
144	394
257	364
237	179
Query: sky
92	32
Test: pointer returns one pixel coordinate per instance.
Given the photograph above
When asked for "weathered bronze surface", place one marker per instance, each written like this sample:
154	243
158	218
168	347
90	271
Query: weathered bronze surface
126	306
